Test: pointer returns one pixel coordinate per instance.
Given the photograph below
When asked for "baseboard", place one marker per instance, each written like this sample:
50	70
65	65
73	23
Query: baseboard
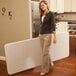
2	58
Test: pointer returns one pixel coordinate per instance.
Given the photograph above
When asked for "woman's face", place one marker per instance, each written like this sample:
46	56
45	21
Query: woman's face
43	6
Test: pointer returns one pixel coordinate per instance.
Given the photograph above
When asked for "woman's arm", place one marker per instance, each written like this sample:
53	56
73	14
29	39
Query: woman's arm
53	27
54	33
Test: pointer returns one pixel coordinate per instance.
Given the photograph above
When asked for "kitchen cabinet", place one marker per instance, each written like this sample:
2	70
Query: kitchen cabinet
70	5
73	5
67	5
53	5
72	44
60	6
57	6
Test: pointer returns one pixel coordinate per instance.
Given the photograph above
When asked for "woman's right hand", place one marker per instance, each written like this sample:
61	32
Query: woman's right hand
54	40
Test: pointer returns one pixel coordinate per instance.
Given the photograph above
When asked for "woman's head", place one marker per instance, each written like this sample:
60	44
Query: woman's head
43	6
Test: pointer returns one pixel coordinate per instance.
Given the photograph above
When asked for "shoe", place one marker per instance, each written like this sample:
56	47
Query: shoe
52	64
42	73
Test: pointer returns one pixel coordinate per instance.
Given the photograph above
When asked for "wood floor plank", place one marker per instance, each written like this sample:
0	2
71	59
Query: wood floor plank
64	67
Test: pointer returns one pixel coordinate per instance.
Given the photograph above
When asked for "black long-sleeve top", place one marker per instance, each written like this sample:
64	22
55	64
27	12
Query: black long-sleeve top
48	25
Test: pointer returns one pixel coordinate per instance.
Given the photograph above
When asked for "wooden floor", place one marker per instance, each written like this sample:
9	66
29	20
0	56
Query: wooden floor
64	67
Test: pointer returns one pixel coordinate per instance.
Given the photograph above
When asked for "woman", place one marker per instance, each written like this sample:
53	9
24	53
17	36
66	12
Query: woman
46	30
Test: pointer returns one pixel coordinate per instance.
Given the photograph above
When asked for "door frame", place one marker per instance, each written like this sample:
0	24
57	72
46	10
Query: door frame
30	18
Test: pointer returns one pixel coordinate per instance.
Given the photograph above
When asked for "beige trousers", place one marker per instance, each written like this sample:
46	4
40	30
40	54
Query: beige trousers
45	41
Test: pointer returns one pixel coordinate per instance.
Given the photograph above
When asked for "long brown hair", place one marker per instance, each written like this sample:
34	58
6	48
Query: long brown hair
40	10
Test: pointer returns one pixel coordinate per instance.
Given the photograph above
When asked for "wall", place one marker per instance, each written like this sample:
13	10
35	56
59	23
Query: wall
18	27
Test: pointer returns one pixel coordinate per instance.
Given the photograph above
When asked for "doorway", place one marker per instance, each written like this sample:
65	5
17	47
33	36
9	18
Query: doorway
35	18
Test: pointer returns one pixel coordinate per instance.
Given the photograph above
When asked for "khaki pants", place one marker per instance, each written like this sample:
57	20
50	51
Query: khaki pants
45	41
